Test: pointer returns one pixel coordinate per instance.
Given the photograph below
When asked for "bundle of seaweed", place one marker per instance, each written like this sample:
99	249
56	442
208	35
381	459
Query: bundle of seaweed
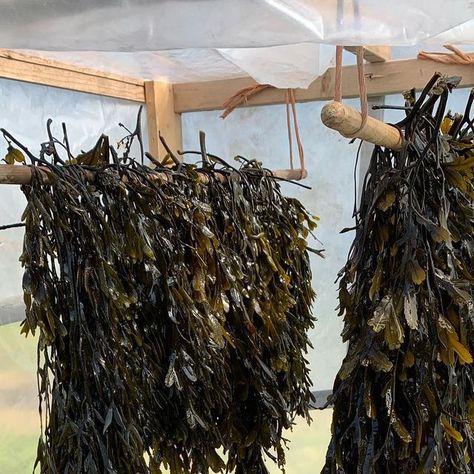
403	398
173	306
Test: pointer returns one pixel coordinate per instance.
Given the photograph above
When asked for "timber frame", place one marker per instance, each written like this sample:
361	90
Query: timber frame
166	102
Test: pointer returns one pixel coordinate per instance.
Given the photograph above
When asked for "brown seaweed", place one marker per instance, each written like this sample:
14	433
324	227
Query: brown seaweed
403	398
173	315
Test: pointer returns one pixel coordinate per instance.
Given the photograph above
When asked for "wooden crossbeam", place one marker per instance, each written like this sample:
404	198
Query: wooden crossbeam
383	78
165	102
37	70
389	77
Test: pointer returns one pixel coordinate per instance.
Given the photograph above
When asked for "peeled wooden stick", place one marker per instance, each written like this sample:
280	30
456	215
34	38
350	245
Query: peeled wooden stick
19	175
347	121
292	175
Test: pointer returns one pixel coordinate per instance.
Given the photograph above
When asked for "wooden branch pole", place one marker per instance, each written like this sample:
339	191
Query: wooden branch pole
21	175
292	175
347	121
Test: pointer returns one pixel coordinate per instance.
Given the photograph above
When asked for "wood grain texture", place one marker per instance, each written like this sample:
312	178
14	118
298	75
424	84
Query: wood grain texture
20	175
162	118
373	54
348	122
390	77
48	72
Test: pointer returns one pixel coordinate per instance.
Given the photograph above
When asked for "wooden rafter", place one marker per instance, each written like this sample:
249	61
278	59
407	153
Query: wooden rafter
166	102
389	77
37	70
383	78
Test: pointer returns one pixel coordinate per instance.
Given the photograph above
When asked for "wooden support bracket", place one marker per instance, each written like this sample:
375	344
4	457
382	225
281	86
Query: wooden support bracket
161	117
373	54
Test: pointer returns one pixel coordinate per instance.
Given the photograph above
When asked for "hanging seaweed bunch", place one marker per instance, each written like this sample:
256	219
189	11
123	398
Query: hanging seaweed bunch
173	309
404	396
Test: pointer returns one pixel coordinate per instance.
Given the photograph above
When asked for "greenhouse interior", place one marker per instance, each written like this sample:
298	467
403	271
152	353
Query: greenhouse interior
237	236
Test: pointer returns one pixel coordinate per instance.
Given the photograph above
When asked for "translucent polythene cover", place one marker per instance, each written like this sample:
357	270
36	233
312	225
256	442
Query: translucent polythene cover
151	25
188	40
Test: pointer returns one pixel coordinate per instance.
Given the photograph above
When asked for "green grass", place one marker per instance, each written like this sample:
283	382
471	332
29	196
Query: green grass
17	454
19	419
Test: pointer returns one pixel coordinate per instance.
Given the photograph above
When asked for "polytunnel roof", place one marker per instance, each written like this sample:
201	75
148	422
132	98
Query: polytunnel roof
275	41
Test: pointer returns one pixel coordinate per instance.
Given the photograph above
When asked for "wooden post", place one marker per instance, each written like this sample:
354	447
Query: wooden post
161	117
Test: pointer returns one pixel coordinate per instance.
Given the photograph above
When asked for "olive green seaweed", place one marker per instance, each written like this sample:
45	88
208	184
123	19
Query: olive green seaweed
404	396
173	314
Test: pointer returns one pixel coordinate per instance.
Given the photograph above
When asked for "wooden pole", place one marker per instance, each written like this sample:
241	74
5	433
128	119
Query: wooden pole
17	174
347	121
292	175
21	175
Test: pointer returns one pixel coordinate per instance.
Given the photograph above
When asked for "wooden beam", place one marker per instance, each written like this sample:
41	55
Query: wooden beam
48	72
383	78
162	118
373	54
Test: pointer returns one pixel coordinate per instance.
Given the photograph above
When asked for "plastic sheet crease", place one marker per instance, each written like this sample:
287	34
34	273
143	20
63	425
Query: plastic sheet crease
275	41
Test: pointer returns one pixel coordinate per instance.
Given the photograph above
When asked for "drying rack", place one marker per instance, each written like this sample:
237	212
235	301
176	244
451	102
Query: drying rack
165	103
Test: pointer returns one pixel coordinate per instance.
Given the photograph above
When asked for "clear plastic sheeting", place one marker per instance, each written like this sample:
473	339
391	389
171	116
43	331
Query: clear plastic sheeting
151	25
282	66
306	63
188	40
461	34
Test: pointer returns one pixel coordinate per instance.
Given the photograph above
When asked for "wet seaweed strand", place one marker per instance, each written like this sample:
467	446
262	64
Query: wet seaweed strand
173	316
403	398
